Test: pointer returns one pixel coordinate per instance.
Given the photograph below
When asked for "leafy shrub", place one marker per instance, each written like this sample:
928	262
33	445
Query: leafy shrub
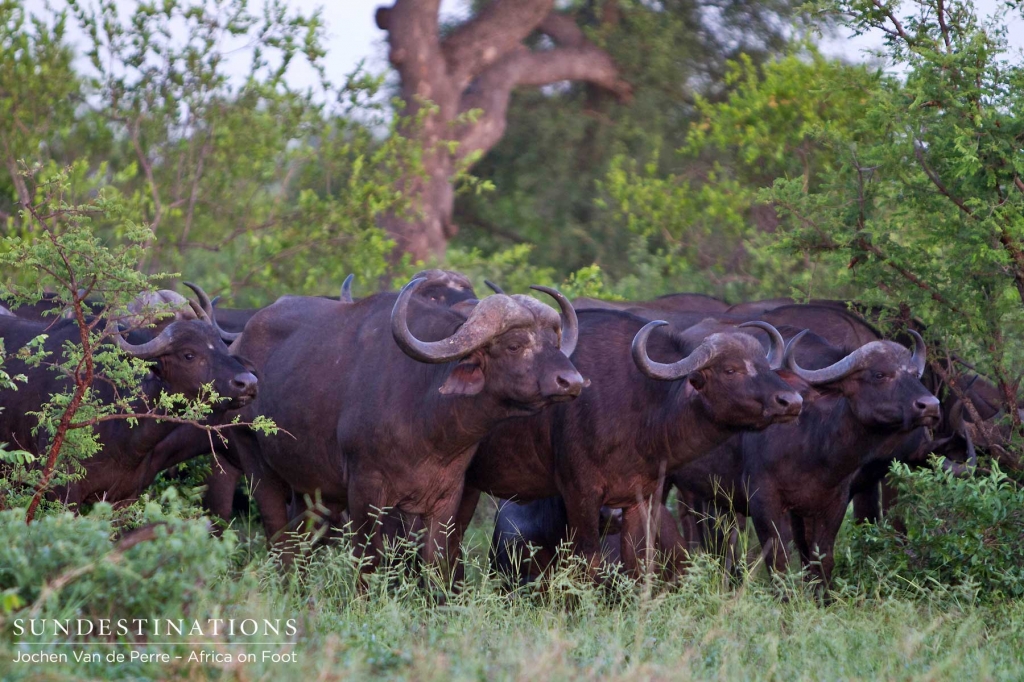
64	562
959	532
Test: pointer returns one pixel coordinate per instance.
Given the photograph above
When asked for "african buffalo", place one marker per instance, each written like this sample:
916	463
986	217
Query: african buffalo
443	287
186	354
793	479
387	398
639	418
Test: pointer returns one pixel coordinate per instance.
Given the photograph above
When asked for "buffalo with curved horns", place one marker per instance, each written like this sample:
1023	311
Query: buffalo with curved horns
186	354
388	397
443	287
646	412
794	479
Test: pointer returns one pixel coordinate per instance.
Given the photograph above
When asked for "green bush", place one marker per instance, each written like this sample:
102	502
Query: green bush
67	563
963	533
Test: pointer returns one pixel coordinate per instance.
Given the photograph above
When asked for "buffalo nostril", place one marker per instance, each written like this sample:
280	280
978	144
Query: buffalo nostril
788	399
569	383
244	382
927	405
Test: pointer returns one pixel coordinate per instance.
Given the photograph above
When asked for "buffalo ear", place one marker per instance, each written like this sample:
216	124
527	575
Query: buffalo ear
467	378
793	380
697	380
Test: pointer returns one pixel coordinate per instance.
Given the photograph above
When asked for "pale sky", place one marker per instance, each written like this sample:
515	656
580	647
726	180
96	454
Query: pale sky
353	36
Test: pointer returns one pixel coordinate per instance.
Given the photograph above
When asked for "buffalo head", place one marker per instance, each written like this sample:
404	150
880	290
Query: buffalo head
512	347
735	380
190	353
881	380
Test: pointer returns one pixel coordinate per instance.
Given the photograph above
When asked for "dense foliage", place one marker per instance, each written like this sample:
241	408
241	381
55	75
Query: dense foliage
943	530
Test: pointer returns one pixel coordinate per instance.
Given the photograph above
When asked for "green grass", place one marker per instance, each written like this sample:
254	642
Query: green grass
696	628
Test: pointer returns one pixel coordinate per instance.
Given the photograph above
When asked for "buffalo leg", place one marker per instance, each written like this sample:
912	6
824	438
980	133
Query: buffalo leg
271	492
867	504
583	511
644	532
467	508
272	495
442	540
774	529
366	509
685	508
672	542
633	537
888	500
220	490
734	561
820	533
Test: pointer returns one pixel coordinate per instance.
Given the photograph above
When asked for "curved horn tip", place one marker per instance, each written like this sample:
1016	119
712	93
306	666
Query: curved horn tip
793	342
640	340
494	287
920	353
346	289
776	346
151	348
789	357
697	359
410	345
412	284
570	331
654	324
204	301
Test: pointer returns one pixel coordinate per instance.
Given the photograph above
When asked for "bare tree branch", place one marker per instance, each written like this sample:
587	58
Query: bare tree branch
492	90
897	26
563	29
937	181
943	27
496	30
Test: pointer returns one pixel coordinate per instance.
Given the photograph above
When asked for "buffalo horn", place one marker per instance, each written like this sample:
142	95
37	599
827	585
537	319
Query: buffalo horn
776	344
346	290
851	363
149	349
207	306
470	336
920	355
493	287
570	323
699	358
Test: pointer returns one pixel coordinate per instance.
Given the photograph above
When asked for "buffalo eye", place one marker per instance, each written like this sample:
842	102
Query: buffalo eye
513	348
879	375
189	355
730	370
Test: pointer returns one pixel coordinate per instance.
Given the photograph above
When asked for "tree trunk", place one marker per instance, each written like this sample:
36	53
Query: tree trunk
471	74
424	230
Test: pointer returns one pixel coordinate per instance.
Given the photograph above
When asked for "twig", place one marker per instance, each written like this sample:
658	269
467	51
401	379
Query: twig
937	181
943	27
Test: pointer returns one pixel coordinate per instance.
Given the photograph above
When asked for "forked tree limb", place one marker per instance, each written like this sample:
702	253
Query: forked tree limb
495	31
527	68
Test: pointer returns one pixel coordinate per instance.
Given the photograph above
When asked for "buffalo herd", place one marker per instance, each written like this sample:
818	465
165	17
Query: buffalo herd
396	411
